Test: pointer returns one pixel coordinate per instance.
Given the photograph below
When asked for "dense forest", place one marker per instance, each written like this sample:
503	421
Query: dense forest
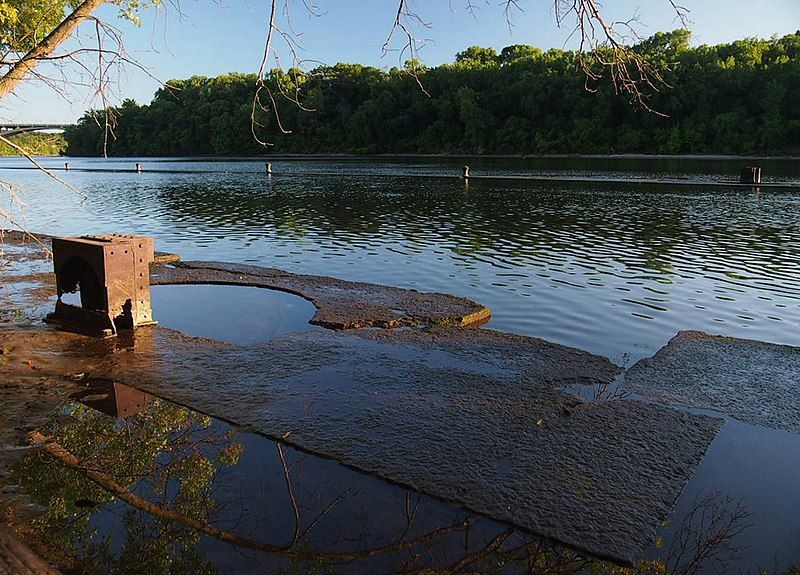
35	143
737	98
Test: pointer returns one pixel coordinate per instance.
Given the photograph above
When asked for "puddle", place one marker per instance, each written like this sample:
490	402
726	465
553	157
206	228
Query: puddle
233	314
129	483
180	477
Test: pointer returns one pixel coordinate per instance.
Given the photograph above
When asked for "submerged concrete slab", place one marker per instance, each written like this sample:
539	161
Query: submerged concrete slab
471	416
752	381
340	304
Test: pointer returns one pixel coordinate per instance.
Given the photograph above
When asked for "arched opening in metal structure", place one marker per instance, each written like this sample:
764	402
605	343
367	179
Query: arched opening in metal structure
76	275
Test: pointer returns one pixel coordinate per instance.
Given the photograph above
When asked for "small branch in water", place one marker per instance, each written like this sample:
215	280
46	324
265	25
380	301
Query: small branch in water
108	483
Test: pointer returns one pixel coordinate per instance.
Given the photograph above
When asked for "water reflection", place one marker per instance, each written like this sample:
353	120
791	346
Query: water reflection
611	270
233	314
157	488
594	261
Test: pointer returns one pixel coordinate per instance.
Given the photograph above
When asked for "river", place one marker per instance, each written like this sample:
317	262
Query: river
616	270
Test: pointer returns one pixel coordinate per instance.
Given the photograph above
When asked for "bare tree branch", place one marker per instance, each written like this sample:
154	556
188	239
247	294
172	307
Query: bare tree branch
20	70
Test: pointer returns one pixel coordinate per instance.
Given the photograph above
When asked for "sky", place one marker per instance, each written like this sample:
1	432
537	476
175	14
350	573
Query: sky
211	37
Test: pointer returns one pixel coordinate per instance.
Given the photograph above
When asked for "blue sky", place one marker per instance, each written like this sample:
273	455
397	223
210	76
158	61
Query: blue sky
210	38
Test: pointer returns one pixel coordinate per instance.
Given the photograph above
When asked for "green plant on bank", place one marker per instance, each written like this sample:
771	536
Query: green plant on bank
36	144
741	98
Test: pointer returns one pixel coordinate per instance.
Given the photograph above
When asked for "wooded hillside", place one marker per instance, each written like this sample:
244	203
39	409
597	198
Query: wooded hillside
737	98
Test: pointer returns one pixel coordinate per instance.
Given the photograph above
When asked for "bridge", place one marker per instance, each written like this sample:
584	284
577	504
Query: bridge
14	129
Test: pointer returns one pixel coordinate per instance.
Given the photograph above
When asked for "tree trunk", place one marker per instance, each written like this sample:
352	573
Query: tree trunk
46	47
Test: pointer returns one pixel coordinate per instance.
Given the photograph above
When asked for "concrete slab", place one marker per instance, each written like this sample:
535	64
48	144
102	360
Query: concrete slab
752	381
471	416
340	304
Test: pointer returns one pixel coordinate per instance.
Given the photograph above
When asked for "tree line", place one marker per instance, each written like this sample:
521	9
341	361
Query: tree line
736	98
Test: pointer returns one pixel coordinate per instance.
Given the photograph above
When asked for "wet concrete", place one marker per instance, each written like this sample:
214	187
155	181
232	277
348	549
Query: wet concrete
311	509
755	469
471	416
340	304
752	381
463	415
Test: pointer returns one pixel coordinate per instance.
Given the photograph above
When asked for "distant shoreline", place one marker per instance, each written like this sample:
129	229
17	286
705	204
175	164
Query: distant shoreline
290	156
543	156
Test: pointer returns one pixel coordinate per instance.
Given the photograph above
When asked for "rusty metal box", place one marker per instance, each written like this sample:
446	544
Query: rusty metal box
112	274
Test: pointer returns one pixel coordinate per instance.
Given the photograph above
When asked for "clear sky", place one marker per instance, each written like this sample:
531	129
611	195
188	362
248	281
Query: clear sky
213	37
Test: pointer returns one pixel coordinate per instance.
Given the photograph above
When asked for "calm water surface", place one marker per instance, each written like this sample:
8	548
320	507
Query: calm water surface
615	270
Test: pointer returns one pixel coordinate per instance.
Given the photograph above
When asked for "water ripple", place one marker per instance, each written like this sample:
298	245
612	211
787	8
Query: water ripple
614	271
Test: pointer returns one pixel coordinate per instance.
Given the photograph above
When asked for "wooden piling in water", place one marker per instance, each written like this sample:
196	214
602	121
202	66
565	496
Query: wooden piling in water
465	173
138	168
750	175
268	167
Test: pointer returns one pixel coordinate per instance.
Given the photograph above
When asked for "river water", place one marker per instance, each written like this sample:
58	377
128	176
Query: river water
613	269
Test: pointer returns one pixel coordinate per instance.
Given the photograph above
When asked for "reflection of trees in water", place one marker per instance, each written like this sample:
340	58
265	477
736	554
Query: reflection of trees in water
173	469
709	535
512	222
140	449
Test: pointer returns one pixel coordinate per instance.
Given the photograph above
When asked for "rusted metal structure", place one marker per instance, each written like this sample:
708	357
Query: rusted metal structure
112	274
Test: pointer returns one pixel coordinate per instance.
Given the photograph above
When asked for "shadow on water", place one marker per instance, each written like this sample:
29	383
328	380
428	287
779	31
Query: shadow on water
233	314
128	483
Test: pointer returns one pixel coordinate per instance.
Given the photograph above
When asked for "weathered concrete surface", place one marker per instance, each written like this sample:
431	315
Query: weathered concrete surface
470	416
752	381
473	416
340	304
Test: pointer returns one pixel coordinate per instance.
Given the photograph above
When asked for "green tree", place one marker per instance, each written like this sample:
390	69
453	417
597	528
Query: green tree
739	98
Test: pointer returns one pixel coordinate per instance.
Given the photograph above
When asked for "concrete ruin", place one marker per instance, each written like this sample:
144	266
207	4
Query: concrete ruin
340	304
473	416
470	416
